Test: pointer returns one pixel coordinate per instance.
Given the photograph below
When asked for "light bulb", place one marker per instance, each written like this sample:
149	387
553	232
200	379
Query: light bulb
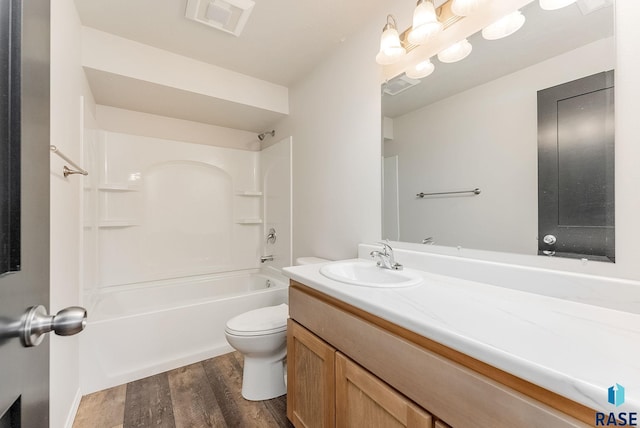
505	26
555	4
391	49
420	70
456	52
425	23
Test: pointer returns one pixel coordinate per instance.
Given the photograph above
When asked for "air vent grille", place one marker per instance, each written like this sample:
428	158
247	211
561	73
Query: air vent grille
399	84
229	16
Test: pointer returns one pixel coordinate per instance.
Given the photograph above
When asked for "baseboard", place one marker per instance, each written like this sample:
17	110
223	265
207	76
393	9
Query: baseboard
73	410
109	381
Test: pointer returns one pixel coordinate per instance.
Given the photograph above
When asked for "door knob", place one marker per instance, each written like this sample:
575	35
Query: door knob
36	322
549	239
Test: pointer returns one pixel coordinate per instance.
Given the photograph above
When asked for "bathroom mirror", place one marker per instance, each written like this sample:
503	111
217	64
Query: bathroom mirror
472	127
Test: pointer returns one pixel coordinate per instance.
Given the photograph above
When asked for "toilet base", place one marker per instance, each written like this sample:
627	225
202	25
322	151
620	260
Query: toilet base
263	380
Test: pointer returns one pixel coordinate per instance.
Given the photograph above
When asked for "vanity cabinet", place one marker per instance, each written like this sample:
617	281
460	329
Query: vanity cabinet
327	389
349	368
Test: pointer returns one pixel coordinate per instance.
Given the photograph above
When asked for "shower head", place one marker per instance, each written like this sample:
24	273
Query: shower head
262	136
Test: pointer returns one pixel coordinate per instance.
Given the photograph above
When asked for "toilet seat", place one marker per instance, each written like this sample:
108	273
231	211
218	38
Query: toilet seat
259	322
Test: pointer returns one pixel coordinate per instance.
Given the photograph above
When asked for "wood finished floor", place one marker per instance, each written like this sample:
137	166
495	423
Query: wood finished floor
205	394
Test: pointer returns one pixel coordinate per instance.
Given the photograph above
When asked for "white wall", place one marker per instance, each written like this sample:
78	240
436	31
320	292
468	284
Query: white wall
627	155
335	124
109	53
484	137
67	89
150	125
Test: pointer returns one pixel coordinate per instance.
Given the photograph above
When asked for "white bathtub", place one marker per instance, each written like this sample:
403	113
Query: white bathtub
137	331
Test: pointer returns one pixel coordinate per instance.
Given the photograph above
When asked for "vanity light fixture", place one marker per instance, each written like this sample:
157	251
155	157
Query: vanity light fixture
466	7
555	4
391	49
505	26
456	52
420	70
425	23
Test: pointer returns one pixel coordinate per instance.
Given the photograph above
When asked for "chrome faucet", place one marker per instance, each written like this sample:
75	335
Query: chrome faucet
385	258
268	258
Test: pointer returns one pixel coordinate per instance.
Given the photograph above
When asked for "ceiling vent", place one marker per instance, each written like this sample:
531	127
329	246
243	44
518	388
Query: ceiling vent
225	15
399	84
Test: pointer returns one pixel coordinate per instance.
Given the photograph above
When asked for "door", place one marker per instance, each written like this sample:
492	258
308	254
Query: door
576	169
310	379
24	203
364	400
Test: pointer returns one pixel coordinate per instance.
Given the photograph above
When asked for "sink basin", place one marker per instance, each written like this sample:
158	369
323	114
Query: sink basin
368	274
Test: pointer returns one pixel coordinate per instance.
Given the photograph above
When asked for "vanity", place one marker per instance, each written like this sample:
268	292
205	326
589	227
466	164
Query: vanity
450	353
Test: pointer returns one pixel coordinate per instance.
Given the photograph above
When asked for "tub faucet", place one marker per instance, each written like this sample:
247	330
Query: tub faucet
268	258
385	258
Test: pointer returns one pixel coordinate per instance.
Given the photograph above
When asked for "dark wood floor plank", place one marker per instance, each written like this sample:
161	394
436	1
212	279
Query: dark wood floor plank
276	406
278	409
206	394
102	409
149	403
194	404
225	376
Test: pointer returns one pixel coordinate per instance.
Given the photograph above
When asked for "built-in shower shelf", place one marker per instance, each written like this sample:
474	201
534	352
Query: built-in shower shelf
248	193
249	221
117	223
118	188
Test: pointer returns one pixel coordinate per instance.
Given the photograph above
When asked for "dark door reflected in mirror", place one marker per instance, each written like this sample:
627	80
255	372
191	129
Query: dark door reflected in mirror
576	169
9	138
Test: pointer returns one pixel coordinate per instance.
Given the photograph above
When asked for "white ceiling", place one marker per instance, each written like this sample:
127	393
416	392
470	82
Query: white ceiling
282	41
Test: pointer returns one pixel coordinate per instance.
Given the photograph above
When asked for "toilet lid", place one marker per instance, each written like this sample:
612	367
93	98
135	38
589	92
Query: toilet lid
272	319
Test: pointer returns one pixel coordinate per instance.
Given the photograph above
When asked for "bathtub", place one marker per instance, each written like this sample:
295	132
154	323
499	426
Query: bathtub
137	331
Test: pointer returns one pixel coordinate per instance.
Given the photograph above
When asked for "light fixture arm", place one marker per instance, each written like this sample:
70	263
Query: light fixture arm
391	23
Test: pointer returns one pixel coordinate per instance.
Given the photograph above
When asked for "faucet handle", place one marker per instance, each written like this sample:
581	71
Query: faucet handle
387	248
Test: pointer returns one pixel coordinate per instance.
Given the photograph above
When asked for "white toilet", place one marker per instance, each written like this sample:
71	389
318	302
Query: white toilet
261	336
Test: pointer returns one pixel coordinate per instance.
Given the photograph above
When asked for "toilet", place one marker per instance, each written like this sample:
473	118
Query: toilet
260	336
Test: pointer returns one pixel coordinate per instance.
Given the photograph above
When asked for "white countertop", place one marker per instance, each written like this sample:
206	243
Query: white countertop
573	349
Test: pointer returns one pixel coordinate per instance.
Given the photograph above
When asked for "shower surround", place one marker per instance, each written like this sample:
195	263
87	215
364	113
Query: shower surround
165	215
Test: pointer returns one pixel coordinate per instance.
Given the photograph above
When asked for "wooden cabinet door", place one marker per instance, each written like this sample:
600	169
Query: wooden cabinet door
310	379
363	400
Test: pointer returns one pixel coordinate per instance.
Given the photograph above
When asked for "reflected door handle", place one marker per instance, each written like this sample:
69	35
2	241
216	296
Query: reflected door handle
549	239
36	322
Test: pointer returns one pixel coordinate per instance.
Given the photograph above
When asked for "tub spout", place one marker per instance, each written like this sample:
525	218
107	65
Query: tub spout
266	259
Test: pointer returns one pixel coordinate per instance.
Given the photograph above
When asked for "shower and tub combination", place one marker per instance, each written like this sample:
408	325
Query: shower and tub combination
173	237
